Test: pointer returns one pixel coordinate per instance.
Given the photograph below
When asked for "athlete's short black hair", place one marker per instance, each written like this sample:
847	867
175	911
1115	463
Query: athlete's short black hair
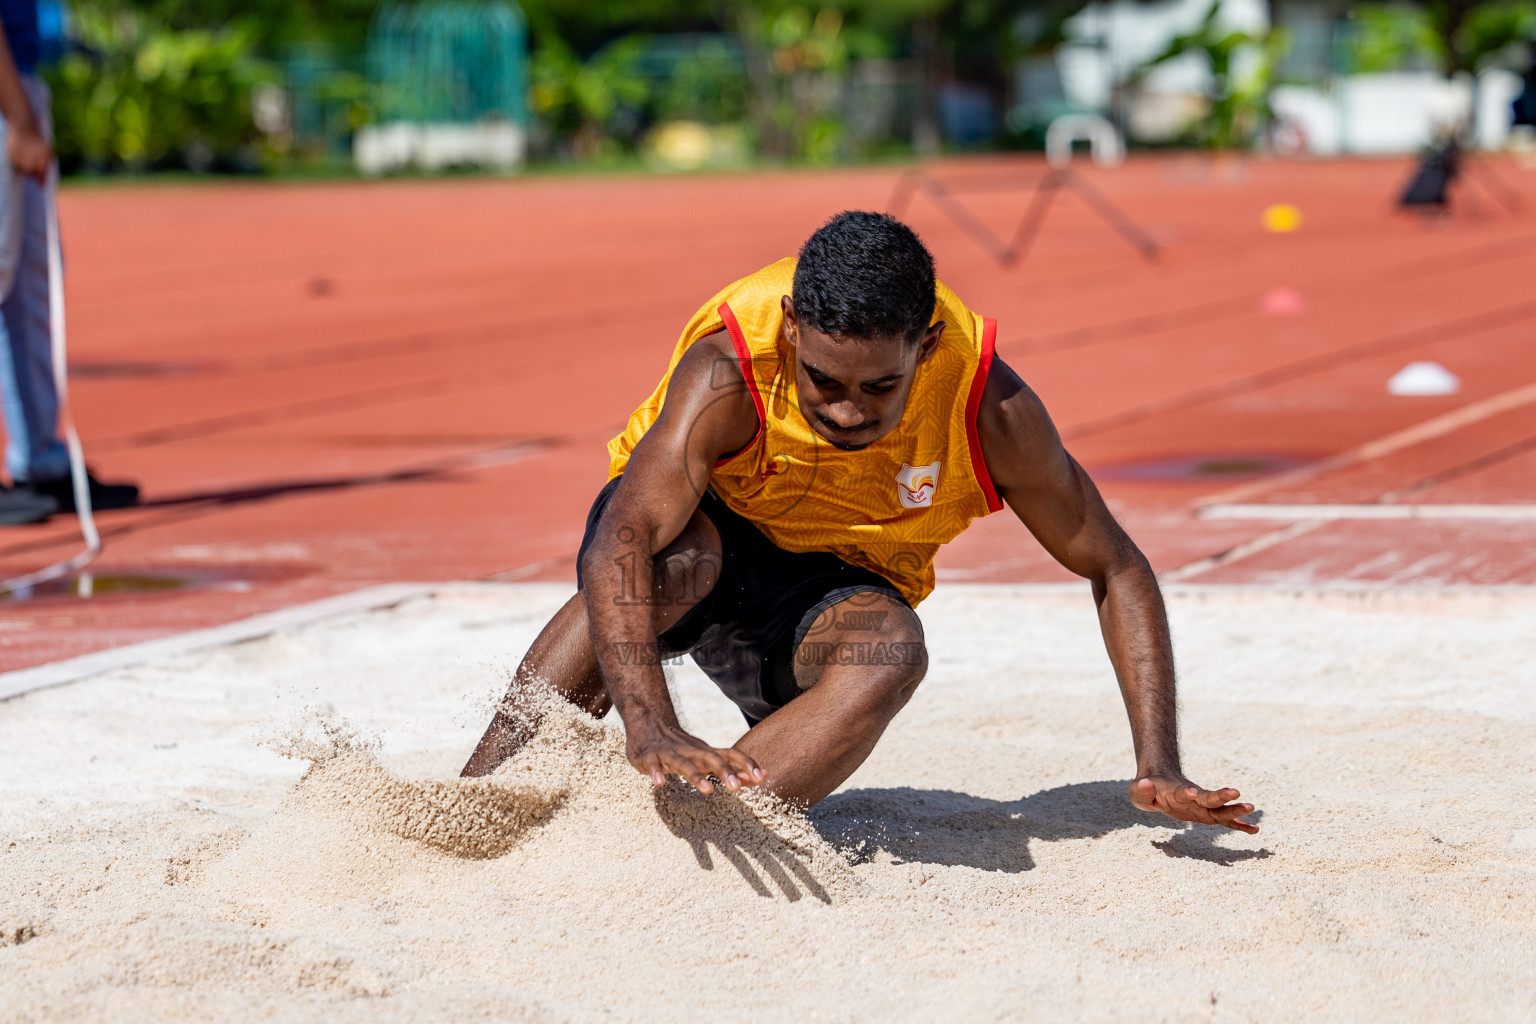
865	275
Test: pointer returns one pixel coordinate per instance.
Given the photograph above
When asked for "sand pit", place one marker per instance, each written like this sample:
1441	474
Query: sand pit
160	857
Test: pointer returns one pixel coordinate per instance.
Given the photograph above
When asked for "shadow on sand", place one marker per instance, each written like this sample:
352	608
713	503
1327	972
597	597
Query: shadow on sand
935	826
765	860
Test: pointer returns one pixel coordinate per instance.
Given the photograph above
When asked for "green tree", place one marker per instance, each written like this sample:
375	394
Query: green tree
588	25
1385	37
797	62
1238	108
579	97
1470	33
273	24
1456	35
145	96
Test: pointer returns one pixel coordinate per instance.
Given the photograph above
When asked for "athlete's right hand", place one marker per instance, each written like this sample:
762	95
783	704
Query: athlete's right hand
662	751
29	152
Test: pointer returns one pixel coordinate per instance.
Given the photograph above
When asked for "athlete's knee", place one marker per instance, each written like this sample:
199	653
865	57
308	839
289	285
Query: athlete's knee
906	661
888	661
871	631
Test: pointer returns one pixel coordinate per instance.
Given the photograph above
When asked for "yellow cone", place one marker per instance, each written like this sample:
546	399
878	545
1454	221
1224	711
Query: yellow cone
1282	218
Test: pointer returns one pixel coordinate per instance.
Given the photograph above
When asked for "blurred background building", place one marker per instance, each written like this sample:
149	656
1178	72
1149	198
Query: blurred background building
273	86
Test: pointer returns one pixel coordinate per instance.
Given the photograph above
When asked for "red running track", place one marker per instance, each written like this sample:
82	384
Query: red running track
327	386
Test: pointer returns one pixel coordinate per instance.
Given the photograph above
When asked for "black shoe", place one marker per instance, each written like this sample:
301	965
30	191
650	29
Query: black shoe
20	505
103	496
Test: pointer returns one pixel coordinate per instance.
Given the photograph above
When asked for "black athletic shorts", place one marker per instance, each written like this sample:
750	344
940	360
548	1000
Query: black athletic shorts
746	631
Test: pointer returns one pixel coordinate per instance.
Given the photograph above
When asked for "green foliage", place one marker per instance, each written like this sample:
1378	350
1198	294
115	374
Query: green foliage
798	63
587	25
1238	108
1386	37
580	98
1455	35
148	96
1492	31
706	85
274	24
595	89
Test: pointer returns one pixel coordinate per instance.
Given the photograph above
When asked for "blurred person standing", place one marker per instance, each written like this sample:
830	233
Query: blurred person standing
35	456
1525	103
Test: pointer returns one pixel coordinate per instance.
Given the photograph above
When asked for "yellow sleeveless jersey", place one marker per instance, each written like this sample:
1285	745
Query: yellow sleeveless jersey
887	507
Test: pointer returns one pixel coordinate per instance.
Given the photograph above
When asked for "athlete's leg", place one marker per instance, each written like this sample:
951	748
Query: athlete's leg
34	451
562	659
858	665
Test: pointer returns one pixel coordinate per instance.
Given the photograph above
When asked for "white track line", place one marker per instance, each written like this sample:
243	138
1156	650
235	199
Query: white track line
1306	518
1332	513
1437	426
14	684
1241	551
1231	503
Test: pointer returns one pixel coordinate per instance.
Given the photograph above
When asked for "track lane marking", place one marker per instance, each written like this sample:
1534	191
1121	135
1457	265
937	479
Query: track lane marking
1335	513
1436	426
1233	554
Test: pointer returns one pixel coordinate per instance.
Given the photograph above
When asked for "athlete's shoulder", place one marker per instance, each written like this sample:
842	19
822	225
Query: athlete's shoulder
708	392
1009	403
1018	438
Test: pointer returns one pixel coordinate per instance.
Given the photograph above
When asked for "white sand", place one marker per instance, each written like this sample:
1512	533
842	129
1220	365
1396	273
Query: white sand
157	861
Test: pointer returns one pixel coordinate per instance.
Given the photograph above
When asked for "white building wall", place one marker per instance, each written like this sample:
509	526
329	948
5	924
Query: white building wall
1392	112
1496	92
1395	112
1398	112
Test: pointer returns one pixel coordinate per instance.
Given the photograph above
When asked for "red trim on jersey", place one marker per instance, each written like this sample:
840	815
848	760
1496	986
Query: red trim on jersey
743	354
973	406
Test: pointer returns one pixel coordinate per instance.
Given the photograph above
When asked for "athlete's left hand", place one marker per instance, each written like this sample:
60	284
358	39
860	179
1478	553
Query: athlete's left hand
1179	798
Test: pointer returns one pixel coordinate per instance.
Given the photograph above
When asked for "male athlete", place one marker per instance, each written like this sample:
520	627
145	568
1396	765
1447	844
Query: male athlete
774	507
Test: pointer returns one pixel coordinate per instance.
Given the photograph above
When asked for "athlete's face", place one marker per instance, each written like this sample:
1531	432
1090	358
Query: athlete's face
853	391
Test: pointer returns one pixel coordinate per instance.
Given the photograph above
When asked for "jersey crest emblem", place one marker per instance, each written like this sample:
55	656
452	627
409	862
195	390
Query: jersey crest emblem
915	485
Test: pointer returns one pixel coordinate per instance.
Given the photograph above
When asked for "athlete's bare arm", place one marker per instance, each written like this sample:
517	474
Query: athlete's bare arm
27	150
708	413
1056	500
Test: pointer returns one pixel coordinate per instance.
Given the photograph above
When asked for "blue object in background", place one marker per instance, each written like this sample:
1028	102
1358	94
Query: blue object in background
20	18
52	30
967	114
